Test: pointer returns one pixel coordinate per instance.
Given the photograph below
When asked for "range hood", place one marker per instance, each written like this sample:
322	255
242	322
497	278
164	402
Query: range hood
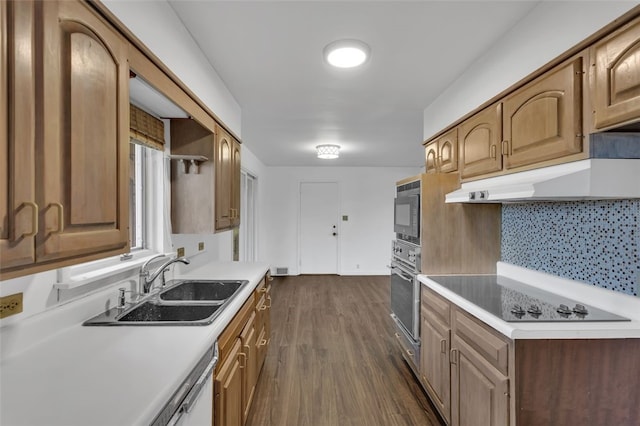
592	179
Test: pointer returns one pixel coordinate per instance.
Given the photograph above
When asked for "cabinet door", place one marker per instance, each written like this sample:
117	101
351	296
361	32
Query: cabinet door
479	392
18	209
480	138
543	120
228	390
448	152
431	157
250	370
235	184
617	77
224	165
85	111
434	362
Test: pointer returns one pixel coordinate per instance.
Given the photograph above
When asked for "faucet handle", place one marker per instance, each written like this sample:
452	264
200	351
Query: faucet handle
122	299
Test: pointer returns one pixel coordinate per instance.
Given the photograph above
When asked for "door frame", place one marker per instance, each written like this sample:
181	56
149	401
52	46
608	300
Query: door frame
245	215
299	225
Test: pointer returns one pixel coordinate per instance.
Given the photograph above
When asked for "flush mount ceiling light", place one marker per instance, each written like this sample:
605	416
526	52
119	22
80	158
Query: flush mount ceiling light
328	151
346	53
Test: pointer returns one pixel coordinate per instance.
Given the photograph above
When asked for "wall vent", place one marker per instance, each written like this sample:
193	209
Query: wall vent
281	270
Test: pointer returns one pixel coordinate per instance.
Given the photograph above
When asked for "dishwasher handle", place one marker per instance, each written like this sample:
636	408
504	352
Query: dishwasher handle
194	393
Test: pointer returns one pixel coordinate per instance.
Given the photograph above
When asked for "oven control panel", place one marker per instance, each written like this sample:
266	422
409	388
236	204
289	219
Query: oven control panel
407	253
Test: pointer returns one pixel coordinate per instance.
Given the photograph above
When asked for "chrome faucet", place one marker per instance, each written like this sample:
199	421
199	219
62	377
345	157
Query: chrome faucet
147	278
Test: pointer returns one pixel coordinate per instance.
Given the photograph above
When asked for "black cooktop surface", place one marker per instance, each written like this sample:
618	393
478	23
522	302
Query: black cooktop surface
517	302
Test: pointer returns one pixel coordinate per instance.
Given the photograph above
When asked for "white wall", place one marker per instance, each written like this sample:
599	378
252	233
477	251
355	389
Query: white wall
550	29
366	196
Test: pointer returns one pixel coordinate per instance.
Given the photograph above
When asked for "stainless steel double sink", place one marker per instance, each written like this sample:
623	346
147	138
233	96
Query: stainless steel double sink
180	302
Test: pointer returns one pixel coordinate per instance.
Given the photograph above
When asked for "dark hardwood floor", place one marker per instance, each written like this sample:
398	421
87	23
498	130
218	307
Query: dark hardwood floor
333	360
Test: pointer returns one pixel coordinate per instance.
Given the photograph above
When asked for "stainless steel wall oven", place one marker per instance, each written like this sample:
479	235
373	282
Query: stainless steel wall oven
405	267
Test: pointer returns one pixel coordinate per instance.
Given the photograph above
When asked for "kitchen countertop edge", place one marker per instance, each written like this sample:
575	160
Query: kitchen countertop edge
546	330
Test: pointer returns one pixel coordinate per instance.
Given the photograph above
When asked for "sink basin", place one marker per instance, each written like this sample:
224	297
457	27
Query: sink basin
153	312
181	302
200	290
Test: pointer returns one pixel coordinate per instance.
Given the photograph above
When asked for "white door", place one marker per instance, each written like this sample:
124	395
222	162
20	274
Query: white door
319	227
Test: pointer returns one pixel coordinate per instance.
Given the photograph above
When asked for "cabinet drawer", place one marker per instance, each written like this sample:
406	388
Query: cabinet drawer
488	343
233	330
436	304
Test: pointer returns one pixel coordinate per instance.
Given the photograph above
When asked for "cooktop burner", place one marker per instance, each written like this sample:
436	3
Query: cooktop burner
514	301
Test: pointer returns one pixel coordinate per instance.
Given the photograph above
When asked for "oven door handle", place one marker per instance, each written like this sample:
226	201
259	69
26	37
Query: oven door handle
398	271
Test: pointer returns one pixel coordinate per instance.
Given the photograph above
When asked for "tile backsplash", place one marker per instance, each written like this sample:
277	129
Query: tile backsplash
596	242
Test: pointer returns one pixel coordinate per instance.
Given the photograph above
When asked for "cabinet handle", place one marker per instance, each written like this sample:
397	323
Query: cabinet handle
454	356
409	352
263	342
397	336
263	290
443	346
34	218
505	147
269	277
60	208
269	305
492	151
244	357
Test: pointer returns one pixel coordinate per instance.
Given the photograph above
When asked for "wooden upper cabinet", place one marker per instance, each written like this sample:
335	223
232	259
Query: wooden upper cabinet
192	194
235	183
64	141
18	208
441	155
543	120
431	157
227	163
223	165
85	114
480	137
616	77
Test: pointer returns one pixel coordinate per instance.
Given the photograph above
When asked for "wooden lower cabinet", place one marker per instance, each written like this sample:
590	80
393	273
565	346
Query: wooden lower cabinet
495	381
243	346
250	355
228	384
480	393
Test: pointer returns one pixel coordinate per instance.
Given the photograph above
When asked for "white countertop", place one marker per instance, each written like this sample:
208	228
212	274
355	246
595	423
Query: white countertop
618	303
115	375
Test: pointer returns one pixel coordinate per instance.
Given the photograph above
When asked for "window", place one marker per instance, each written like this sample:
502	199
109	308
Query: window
137	208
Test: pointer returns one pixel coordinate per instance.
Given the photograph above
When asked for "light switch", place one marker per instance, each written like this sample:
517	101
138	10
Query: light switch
345	218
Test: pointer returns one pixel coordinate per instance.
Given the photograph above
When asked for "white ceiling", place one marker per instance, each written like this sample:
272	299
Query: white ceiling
269	54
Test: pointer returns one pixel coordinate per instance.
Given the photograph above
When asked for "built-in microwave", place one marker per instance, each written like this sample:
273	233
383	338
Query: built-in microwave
406	216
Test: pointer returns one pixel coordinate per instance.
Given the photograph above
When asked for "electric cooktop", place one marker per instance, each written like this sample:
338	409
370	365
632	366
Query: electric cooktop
514	301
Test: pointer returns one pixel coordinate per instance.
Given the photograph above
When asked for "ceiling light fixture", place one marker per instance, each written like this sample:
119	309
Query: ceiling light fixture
346	53
328	151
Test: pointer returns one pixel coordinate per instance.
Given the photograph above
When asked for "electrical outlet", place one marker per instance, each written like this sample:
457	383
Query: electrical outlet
180	251
201	246
345	218
10	305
